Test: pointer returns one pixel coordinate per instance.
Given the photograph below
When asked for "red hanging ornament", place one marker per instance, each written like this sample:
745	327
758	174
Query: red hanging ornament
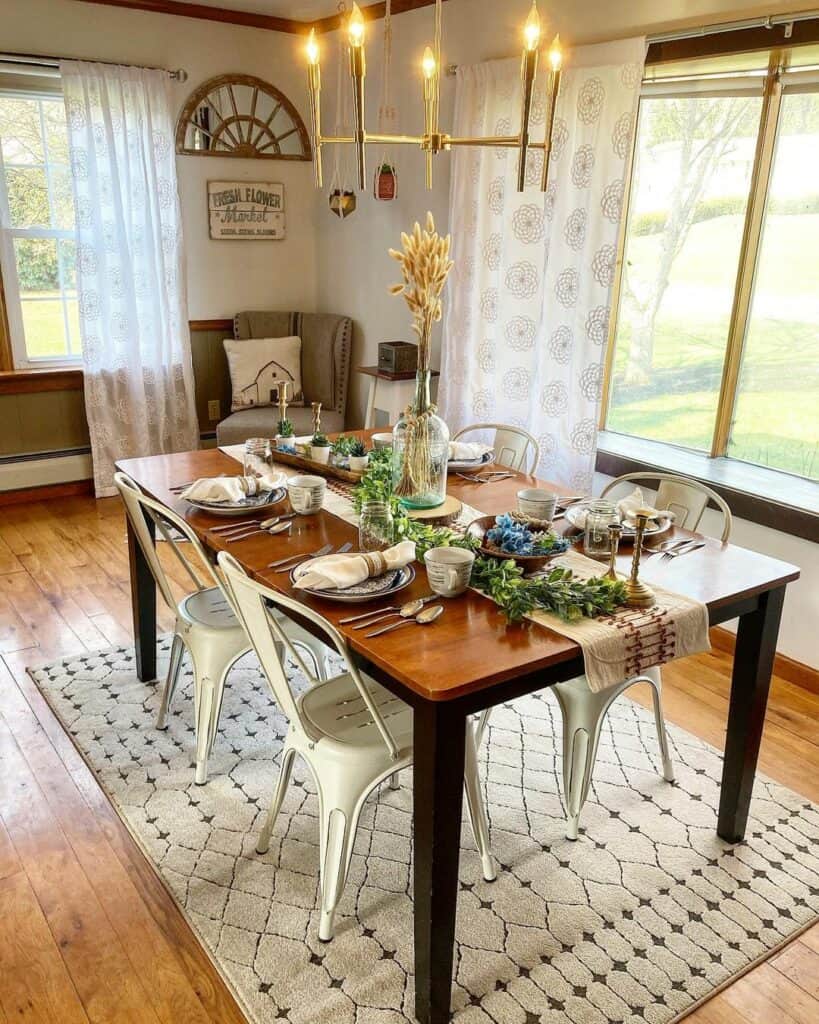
385	184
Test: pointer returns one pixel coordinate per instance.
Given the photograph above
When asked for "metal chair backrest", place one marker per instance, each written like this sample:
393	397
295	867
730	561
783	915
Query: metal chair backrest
253	601
685	497
140	509
512	445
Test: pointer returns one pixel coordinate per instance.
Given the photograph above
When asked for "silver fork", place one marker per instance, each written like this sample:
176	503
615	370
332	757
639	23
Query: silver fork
685	551
295	560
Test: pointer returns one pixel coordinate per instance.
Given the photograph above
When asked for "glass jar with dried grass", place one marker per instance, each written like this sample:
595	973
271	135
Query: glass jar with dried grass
421	438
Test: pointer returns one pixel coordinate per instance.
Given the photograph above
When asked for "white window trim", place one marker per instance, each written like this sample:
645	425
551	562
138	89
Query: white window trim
8	268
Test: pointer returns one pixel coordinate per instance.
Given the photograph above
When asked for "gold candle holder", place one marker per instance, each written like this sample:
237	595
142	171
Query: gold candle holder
282	386
638	595
615	533
316	407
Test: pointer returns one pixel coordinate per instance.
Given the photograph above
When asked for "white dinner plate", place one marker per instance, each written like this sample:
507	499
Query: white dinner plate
252	503
378	586
470	465
575	515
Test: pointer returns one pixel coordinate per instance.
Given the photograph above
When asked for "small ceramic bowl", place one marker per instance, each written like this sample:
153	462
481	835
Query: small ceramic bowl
382	440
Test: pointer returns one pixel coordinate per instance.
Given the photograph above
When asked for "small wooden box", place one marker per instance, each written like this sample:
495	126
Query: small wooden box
397	357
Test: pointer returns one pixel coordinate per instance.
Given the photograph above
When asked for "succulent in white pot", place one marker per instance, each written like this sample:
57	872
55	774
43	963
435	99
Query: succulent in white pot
285	439
358	457
320	449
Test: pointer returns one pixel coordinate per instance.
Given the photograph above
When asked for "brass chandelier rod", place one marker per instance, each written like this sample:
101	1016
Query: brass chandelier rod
434	141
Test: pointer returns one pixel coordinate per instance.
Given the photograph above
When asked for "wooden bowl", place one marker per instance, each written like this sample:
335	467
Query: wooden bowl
529	563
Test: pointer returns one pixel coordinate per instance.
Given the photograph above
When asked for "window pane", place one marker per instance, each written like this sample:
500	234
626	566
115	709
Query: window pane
56	131
20	131
775	419
689	194
44	328
28	197
37	269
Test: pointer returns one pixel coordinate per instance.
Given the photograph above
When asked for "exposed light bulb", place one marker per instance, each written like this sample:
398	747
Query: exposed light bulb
555	54
312	48
355	26
531	30
428	63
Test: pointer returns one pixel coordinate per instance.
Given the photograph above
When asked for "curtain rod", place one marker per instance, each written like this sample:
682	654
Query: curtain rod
771	21
34	60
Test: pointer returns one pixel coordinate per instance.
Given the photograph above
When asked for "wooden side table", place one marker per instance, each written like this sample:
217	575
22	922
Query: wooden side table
389	393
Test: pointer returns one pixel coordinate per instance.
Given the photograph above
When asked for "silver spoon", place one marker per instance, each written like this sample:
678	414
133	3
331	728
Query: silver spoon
406	611
423	618
278	528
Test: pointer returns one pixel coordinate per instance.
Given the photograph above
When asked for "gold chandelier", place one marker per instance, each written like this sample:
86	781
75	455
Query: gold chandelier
433	140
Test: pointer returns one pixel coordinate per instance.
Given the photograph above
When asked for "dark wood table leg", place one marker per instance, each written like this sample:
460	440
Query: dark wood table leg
143	606
438	799
750	683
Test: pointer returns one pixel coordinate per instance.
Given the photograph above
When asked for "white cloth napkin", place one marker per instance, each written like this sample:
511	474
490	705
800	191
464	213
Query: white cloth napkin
335	572
634	502
463	451
232	488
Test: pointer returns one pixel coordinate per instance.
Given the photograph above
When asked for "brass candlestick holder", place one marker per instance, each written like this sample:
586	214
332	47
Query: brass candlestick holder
316	407
638	595
282	386
615	533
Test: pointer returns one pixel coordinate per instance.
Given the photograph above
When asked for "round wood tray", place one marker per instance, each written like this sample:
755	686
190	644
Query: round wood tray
529	563
443	515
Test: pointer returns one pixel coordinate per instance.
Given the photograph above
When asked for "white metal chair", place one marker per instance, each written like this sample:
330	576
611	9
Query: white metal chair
583	710
351	732
512	445
685	497
206	625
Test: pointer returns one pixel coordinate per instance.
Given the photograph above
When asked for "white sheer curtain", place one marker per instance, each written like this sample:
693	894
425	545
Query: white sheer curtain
139	393
529	300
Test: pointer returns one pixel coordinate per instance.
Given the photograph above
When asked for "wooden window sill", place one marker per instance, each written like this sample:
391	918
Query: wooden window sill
771	498
24	382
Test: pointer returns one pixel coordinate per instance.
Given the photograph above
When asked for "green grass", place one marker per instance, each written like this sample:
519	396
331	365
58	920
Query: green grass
776	421
45	329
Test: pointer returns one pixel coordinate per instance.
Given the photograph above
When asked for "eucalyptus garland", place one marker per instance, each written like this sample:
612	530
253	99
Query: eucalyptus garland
501	579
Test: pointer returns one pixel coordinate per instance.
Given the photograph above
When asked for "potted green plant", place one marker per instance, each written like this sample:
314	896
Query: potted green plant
320	449
358	456
285	436
341	449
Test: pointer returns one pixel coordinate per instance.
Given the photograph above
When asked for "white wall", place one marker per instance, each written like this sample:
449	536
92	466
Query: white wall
225	276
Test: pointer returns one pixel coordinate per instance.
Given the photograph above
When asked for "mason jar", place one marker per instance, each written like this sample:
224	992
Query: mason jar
256	457
376	526
597	540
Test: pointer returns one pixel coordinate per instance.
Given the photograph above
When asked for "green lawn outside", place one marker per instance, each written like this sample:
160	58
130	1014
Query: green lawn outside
776	419
45	328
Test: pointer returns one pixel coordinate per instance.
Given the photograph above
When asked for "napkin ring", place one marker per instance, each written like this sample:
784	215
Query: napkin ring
376	563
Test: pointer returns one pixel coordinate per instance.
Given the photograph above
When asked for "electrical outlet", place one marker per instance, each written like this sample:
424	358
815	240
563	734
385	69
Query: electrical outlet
214	409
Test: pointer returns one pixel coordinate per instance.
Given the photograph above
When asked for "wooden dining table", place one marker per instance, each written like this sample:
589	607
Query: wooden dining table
472	659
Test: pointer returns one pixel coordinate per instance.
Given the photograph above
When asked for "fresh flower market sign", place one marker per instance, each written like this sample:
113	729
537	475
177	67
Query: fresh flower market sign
246	209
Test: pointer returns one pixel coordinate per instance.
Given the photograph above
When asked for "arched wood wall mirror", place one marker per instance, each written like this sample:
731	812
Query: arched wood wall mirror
240	115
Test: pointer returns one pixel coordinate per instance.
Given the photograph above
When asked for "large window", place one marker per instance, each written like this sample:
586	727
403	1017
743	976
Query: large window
716	339
37	235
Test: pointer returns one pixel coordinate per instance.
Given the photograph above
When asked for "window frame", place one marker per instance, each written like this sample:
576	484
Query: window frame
777	80
13	352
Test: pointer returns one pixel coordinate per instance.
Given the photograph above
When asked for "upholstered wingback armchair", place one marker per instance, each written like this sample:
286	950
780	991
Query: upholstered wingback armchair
326	343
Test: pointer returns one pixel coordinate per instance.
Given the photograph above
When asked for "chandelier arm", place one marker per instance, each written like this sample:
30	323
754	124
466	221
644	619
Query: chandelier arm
528	73
546	145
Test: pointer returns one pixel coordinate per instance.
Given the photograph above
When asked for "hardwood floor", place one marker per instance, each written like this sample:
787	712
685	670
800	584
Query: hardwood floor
88	933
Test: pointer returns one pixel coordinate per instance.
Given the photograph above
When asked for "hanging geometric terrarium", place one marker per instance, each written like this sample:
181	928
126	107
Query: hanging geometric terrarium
244	116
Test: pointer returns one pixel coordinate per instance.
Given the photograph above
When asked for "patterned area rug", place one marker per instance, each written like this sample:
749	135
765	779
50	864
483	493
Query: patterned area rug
644	916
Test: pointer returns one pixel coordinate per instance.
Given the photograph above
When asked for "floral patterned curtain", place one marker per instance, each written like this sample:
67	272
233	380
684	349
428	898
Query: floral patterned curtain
528	305
130	270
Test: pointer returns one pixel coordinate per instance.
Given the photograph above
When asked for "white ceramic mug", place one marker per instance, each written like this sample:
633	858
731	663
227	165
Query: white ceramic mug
382	440
306	493
449	570
537	503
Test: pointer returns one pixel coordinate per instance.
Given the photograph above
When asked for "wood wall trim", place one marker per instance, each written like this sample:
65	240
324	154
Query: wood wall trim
250	19
793	671
745	40
26	382
211	325
182	9
47	492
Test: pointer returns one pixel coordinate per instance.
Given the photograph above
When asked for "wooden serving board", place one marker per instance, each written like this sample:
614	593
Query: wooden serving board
443	515
316	468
